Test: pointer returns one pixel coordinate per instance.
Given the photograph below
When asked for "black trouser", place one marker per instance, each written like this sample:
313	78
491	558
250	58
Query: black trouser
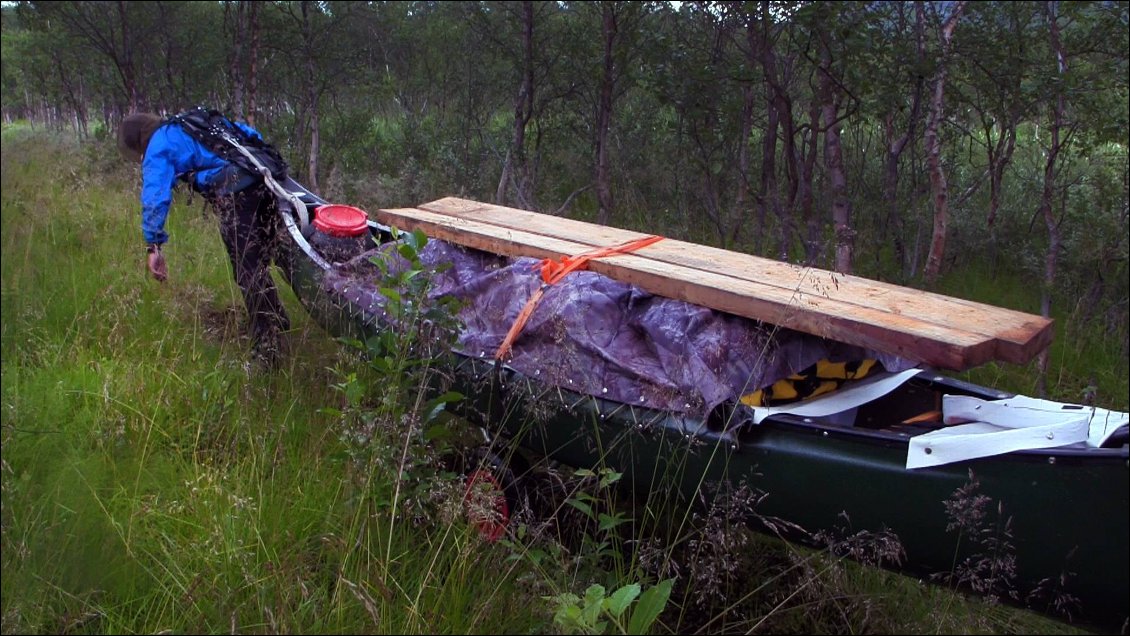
249	226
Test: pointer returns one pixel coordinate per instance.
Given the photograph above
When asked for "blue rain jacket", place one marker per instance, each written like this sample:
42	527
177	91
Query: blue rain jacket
170	154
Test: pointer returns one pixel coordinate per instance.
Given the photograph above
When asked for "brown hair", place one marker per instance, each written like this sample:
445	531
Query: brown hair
134	134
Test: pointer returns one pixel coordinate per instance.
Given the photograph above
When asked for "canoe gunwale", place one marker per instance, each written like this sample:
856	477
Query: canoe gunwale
305	269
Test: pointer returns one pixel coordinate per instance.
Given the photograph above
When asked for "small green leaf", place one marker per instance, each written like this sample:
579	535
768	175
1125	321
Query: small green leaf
349	342
568	613
594	602
650	607
566	598
594	594
582	506
379	261
608	522
407	251
436	405
610	477
621	599
536	556
437	432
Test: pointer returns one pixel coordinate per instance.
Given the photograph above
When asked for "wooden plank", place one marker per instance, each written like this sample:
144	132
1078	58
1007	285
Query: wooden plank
1018	336
901	334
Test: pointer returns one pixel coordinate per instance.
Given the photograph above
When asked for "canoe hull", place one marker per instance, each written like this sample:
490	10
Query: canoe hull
1067	509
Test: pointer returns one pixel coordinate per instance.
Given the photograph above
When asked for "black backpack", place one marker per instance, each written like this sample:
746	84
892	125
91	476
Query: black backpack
217	132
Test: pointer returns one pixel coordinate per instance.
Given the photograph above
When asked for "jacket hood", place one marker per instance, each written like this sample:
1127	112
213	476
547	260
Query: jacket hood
135	132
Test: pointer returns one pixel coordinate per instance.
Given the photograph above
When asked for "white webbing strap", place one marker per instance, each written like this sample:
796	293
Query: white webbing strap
984	428
269	179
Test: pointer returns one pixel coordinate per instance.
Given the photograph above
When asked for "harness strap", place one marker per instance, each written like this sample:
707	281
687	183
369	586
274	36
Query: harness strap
553	271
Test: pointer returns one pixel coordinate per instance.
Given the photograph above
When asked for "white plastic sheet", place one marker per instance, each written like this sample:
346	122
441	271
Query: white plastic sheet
843	400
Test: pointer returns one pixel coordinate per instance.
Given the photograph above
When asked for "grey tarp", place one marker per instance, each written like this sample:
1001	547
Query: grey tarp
601	337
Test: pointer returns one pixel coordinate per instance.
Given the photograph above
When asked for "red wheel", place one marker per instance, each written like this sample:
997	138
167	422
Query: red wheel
485	504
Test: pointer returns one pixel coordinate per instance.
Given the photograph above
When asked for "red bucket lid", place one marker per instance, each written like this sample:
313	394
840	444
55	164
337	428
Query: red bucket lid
341	220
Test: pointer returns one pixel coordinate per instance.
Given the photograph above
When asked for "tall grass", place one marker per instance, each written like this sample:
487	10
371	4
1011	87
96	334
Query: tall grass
154	482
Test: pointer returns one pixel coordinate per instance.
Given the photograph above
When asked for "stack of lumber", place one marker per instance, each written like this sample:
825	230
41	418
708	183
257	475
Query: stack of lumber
928	328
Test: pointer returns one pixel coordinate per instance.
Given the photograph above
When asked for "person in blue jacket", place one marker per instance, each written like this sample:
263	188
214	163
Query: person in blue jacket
247	217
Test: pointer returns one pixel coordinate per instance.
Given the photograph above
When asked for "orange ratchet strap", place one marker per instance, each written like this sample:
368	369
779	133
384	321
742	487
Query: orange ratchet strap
553	271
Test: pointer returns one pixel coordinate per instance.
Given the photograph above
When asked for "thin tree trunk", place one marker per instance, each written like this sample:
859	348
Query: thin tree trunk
741	193
771	195
168	95
504	178
1000	155
938	186
834	163
896	146
604	115
83	110
782	108
234	12
702	133
311	98
253	61
806	193
129	79
514	171
315	146
1051	258
768	199
837	186
74	98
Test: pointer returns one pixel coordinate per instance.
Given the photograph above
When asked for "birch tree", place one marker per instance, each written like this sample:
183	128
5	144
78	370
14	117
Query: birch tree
938	185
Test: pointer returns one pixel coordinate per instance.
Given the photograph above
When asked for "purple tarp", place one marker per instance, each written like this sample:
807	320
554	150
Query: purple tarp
605	338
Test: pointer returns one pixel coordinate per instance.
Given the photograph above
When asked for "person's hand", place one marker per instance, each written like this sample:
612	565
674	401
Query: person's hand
157	266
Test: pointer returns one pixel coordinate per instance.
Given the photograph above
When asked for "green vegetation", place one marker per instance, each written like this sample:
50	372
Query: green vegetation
802	131
153	482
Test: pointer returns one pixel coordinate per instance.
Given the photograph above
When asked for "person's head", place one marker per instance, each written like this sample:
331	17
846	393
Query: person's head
134	134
